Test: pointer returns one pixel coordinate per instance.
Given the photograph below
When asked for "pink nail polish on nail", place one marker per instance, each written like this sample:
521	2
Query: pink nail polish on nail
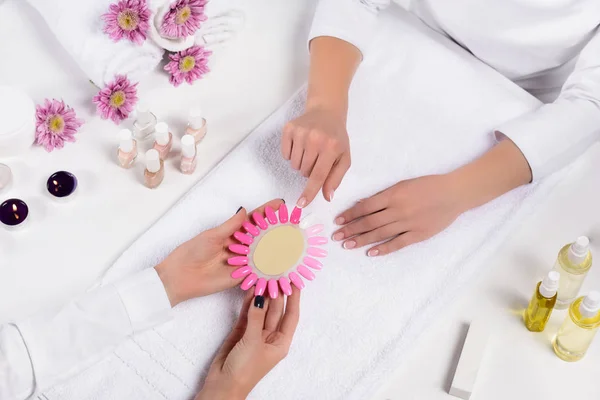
261	285
239	249
317	240
340	221
283	214
273	288
315	229
316	252
295	216
305	272
285	286
296	280
350	244
260	221
338	236
270	214
241	272
373	252
311	262
251	229
249	281
243	238
239	260
301	202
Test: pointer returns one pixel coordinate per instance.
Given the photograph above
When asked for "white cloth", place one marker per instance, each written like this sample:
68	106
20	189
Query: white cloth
38	352
360	315
540	45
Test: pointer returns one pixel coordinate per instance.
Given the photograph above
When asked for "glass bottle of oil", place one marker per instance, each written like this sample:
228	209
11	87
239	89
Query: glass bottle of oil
542	303
573	263
579	328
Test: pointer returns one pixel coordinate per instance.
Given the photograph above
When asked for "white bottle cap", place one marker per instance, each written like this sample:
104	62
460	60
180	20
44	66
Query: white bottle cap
549	285
188	146
196	118
125	141
161	132
144	115
590	305
579	250
152	161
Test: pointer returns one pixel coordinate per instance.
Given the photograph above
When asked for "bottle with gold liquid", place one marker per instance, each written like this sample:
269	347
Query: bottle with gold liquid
573	263
542	303
579	328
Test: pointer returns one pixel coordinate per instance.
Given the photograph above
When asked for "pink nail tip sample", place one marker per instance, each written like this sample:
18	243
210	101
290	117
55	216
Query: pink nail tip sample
261	285
270	214
249	281
317	240
295	216
241	272
316	252
239	249
305	272
311	262
296	280
251	229
285	286
239	260
260	221
315	230
243	238
273	288
283	213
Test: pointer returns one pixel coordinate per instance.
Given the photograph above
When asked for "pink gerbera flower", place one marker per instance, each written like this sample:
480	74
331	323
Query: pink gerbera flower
127	19
56	123
188	65
117	99
183	19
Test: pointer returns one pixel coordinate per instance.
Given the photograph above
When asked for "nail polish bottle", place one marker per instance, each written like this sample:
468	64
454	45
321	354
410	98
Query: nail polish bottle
163	140
127	152
196	125
188	154
155	169
145	122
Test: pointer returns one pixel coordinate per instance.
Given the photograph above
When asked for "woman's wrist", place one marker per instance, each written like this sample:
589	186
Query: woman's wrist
219	393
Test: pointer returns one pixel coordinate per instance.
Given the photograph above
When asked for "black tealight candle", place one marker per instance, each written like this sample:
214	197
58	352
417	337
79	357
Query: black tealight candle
13	212
61	184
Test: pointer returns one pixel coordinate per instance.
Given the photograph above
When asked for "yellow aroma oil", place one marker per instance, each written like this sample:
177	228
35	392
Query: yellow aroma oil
542	303
579	328
573	263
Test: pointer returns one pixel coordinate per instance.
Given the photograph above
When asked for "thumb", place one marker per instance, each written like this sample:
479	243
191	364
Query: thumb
233	224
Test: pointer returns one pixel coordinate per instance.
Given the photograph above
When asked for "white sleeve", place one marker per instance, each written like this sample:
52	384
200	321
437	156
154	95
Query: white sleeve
556	134
353	21
42	350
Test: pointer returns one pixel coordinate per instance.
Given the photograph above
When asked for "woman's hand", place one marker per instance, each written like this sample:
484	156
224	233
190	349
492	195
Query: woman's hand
199	266
406	213
317	144
260	340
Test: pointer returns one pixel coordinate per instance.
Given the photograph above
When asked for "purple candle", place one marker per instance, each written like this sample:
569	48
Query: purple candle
13	212
61	184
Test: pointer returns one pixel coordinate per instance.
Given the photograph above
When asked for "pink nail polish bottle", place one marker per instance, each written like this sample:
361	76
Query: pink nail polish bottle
127	152
145	122
155	169
163	140
188	154
196	125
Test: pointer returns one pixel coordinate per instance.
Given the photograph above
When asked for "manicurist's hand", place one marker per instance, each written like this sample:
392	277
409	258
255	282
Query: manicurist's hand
260	340
199	266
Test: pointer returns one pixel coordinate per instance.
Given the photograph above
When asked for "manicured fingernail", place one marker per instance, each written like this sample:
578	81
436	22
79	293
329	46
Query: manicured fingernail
239	209
340	220
295	215
243	238
331	195
283	200
273	288
260	287
259	301
373	252
239	260
302	202
239	249
349	244
338	236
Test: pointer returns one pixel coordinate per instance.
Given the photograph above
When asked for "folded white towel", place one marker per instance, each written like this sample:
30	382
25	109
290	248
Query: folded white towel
418	106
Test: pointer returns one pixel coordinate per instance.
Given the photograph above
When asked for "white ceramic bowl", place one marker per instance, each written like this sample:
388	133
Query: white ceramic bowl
17	121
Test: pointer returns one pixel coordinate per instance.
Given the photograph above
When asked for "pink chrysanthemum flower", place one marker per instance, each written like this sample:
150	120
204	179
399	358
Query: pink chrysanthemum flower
56	123
183	19
188	65
127	19
117	99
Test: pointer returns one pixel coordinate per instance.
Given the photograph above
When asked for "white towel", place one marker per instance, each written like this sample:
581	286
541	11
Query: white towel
418	106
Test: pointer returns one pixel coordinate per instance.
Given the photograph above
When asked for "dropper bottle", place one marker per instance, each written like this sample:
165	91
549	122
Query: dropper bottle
542	303
573	263
579	328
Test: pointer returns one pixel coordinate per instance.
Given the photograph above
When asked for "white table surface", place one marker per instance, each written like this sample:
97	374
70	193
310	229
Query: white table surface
66	247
